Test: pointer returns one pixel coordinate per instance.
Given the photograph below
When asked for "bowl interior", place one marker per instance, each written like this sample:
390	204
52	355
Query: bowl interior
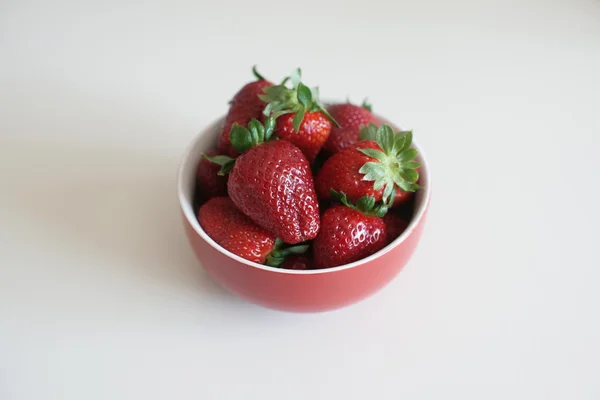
207	140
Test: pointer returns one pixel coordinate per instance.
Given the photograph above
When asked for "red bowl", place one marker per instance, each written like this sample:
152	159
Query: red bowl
292	290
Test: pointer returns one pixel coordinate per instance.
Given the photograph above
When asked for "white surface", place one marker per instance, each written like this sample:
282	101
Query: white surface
101	298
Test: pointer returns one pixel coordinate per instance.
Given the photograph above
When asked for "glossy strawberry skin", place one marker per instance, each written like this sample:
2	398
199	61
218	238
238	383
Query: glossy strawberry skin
346	236
245	106
312	135
394	225
401	197
340	172
272	184
350	117
208	183
297	262
234	231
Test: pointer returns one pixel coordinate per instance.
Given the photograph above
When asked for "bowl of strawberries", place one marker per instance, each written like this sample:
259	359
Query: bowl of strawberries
301	206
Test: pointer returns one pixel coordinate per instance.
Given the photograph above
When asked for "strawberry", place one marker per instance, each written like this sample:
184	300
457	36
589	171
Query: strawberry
208	183
350	233
383	168
273	185
234	231
231	229
350	117
271	182
394	225
340	172
310	136
245	106
301	119
297	262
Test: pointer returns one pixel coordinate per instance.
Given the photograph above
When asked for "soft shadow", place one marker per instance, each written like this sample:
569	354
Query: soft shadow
111	204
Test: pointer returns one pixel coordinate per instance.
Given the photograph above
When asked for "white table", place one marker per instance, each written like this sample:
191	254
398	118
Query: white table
101	298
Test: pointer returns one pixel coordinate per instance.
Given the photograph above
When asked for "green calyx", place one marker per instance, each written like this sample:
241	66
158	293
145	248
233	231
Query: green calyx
298	100
394	165
257	74
243	139
279	253
225	162
366	204
366	105
369	132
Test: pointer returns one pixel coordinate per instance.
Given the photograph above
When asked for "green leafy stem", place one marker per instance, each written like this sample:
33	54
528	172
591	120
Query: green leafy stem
366	204
279	253
298	100
393	165
243	139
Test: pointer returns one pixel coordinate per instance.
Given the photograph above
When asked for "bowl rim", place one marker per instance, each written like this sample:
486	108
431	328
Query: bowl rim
190	216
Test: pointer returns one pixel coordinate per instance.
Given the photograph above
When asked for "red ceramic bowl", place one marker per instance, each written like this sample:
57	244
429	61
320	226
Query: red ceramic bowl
291	290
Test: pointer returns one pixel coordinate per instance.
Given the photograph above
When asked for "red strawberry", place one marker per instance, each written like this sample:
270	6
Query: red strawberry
312	133
340	172
234	231
383	169
297	262
209	184
245	106
350	117
394	225
301	119
273	185
349	234
271	182
231	229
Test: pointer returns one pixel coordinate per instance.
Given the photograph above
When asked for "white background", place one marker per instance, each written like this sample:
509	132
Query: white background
101	298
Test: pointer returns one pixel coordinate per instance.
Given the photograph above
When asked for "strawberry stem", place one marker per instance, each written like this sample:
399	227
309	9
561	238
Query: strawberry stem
366	105
257	75
299	99
279	254
225	162
244	138
366	204
393	164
